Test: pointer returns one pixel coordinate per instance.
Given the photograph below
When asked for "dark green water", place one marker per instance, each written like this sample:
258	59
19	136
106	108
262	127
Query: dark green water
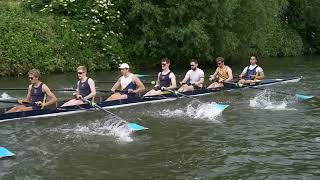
262	135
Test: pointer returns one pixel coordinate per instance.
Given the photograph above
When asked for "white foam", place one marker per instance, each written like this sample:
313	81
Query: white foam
5	96
194	110
263	101
102	127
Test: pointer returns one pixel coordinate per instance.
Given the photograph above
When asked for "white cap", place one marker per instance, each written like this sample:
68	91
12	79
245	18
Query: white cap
124	66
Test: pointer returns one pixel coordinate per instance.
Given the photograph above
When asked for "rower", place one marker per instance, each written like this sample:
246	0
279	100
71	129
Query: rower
85	88
127	86
251	73
222	74
37	95
194	78
166	79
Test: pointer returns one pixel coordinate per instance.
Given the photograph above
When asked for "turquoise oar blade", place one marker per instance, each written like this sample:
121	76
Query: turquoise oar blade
303	97
220	106
5	152
136	127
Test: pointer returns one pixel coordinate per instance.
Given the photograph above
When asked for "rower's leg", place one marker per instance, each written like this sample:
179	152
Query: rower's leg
215	85
115	97
185	88
72	102
19	109
242	81
152	91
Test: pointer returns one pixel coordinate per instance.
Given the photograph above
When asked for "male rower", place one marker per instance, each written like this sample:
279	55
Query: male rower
128	85
37	95
194	78
166	79
85	88
251	73
223	74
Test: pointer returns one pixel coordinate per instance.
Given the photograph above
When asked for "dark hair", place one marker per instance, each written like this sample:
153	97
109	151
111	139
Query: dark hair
255	56
194	61
167	60
219	59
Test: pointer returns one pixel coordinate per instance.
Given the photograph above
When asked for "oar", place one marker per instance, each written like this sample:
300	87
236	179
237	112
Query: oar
112	82
216	106
298	96
68	90
5	153
132	126
10	101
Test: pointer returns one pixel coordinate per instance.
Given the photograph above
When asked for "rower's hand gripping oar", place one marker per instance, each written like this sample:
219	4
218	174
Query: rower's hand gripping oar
298	96
131	126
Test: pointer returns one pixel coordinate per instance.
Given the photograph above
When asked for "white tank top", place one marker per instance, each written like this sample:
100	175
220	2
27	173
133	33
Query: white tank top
124	81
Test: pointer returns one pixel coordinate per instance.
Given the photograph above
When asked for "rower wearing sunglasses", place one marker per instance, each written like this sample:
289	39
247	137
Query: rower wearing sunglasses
194	78
37	95
85	88
166	80
222	74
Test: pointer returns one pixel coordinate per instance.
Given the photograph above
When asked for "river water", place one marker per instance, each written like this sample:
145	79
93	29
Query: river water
262	135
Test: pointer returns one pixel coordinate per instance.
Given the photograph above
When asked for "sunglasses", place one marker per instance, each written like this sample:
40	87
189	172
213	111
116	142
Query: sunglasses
163	64
80	72
219	63
192	65
31	78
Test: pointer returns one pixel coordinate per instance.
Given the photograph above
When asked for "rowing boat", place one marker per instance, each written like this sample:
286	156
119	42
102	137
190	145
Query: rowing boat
131	101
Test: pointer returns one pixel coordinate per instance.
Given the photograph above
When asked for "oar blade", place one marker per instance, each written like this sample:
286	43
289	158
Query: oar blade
303	97
136	127
5	153
220	106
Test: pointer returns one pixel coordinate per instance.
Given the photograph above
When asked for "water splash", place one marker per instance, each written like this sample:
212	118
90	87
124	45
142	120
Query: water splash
194	110
264	101
5	96
107	126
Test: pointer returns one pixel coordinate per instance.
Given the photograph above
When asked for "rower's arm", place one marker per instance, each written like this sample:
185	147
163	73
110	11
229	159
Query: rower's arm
52	97
213	76
158	81
260	75
92	88
243	73
173	82
185	79
139	84
201	81
116	85
28	98
230	78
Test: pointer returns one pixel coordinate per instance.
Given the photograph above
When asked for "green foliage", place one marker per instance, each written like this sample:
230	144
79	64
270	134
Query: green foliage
304	17
205	29
59	35
54	42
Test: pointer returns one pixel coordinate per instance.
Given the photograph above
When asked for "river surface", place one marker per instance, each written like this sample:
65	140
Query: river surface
262	135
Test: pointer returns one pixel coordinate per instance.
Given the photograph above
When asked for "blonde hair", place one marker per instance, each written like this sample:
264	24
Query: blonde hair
83	68
34	72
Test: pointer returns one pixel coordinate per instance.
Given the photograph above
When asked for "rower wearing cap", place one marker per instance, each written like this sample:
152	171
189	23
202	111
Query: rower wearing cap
128	85
86	88
222	74
194	78
166	79
37	95
251	73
